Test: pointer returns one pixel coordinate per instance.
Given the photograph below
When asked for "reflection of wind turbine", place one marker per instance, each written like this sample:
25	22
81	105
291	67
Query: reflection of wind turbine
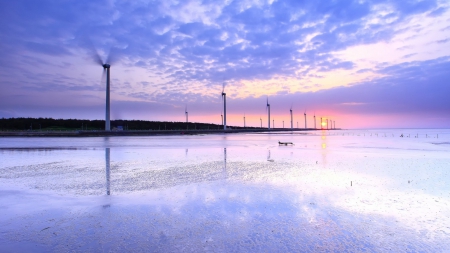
224	98
305	119
268	115
225	161
107	167
186	113
292	119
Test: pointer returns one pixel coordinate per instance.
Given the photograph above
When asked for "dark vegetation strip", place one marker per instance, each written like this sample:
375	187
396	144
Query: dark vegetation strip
50	124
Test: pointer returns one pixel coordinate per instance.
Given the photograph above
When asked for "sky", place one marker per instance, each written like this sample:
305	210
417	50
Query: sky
362	64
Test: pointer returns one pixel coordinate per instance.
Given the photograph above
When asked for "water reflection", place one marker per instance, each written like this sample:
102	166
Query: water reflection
324	147
108	169
225	163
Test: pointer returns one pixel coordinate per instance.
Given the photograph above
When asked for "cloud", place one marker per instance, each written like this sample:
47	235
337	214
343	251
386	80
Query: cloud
173	52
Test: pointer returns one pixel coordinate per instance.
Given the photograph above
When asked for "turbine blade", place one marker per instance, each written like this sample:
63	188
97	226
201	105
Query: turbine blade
112	56
92	51
104	76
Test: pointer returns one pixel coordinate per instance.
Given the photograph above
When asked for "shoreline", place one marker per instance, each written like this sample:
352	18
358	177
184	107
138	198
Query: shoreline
145	132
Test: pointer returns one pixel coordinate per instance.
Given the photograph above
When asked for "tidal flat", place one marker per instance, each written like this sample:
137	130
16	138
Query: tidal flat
332	191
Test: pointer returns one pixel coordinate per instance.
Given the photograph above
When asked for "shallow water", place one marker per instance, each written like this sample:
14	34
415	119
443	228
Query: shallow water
365	190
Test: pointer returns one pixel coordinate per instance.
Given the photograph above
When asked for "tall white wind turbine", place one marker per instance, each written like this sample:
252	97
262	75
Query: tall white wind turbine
106	70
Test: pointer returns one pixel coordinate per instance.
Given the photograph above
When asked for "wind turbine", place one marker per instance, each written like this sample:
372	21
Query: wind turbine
186	113
327	124
106	68
315	120
244	120
260	120
292	120
268	111
321	121
305	119
224	98
221	115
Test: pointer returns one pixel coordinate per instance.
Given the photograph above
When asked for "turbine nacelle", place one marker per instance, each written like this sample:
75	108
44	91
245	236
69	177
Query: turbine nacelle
106	66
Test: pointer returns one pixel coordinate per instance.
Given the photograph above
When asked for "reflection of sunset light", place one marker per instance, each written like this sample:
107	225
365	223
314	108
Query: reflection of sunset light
324	145
323	137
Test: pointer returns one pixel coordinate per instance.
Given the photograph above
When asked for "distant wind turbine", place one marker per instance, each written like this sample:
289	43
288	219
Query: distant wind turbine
292	119
224	98
244	120
260	119
305	119
186	113
315	120
268	115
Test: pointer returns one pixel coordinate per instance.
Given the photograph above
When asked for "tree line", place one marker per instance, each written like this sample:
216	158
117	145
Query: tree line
50	124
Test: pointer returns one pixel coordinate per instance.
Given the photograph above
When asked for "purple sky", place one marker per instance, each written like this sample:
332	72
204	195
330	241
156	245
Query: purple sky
362	63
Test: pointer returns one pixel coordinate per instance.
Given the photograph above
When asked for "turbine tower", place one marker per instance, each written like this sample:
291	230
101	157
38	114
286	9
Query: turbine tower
260	120
268	113
224	98
186	113
321	121
244	120
292	120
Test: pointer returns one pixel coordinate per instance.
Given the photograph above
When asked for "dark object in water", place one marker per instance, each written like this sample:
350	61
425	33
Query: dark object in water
285	143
